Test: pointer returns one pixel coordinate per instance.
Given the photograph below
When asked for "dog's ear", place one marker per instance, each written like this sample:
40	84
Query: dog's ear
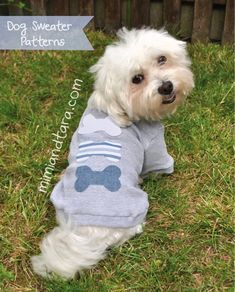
106	91
95	68
182	44
103	80
182	52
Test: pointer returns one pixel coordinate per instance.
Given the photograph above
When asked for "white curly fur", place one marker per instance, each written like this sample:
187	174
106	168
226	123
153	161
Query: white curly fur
68	249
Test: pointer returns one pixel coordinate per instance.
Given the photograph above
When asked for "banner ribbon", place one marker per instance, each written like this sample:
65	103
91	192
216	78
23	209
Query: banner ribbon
44	33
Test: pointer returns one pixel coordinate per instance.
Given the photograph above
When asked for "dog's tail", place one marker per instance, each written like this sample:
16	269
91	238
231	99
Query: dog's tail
67	251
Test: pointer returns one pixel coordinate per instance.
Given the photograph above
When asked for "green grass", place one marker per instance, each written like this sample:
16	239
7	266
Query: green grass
187	242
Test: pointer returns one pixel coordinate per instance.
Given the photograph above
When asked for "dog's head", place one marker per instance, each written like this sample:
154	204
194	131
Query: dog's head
145	75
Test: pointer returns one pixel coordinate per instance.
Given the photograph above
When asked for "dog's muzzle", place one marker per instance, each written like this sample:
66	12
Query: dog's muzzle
169	98
166	90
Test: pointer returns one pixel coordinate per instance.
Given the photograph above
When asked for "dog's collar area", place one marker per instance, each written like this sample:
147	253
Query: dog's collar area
167	99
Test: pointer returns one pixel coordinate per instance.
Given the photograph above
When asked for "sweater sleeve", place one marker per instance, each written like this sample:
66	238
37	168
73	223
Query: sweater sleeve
156	157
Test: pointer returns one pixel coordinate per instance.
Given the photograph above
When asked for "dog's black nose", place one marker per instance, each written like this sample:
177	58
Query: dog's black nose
166	88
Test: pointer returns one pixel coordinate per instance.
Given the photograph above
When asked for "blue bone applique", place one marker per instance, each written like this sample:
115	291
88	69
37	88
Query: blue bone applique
109	178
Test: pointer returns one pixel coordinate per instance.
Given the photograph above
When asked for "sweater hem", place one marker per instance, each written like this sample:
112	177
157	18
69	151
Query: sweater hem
102	220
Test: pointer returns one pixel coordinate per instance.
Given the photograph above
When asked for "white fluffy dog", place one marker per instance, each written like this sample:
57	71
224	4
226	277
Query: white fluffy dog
139	80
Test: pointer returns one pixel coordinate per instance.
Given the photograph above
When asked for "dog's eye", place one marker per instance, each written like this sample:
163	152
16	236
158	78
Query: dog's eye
138	78
162	60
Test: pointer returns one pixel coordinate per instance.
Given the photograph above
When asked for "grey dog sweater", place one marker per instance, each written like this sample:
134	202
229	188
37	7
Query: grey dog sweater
100	185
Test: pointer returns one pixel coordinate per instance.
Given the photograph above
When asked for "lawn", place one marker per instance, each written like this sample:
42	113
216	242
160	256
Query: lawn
187	242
